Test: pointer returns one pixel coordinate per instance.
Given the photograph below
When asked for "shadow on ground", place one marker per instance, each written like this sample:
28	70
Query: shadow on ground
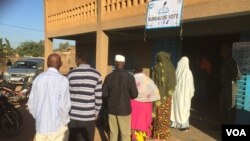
204	117
27	130
202	128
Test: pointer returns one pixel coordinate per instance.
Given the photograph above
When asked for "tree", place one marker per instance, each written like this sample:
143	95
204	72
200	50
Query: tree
5	49
64	46
1	47
31	48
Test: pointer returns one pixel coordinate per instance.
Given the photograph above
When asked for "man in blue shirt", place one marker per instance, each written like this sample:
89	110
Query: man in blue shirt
49	103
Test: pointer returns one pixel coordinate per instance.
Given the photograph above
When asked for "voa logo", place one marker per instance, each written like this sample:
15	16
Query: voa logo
236	132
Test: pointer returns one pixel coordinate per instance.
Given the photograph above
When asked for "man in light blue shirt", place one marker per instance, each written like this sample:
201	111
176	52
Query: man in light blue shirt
49	103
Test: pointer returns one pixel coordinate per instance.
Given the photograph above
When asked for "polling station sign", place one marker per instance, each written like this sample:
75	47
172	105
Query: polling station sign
164	13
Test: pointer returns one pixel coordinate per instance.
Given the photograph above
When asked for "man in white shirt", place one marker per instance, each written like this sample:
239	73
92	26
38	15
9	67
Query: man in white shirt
49	103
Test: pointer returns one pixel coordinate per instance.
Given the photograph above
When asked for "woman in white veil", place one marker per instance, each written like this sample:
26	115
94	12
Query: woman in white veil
181	102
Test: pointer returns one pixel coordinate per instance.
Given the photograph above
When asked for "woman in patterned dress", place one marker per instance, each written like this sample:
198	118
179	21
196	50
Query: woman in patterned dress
164	77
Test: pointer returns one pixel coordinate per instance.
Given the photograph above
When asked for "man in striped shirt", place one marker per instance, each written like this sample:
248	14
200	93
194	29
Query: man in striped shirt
86	99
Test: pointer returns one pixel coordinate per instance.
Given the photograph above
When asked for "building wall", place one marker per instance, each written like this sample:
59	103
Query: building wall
65	18
135	51
72	15
141	52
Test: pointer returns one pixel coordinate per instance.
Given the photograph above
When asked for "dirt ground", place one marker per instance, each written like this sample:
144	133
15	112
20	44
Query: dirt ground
201	129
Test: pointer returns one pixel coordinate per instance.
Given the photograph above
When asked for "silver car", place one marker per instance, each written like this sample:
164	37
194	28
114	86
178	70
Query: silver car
23	68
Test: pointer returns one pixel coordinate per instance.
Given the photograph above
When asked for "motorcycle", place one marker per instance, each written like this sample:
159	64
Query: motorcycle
11	108
10	117
8	90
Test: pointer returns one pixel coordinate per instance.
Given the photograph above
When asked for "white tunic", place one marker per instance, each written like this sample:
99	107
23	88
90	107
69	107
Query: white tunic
181	101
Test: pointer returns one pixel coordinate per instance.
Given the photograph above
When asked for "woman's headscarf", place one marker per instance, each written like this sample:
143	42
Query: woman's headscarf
164	74
182	66
181	102
148	91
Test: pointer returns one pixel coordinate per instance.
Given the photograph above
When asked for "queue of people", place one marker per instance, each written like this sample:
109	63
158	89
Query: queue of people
138	107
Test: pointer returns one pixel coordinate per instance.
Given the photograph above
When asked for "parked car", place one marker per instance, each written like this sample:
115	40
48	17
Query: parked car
23	68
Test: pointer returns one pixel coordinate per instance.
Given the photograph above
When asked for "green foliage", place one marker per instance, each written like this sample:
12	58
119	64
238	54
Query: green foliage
64	46
8	49
31	48
5	49
5	52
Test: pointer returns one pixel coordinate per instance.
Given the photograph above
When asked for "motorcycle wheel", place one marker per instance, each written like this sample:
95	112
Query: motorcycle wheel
15	112
9	125
17	115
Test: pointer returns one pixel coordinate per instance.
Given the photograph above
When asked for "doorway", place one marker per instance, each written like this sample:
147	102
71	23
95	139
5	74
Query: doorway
207	82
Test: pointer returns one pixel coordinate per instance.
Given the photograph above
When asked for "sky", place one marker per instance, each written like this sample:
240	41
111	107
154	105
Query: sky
23	20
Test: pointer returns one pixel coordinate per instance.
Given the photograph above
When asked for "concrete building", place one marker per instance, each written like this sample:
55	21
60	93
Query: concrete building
108	27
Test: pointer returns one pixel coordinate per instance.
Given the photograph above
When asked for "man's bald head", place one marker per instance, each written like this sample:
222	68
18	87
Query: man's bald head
54	61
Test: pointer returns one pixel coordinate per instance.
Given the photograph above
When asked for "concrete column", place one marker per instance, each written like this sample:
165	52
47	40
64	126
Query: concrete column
102	43
48	49
48	43
102	53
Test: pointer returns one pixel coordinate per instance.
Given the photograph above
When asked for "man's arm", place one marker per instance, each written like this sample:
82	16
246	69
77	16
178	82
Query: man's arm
133	88
32	100
98	96
105	87
64	101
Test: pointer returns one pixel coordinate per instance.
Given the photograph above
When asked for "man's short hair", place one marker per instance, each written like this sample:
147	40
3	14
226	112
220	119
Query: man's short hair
137	68
84	56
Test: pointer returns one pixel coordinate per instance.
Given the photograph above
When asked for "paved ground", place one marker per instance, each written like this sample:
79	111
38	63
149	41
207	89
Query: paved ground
201	129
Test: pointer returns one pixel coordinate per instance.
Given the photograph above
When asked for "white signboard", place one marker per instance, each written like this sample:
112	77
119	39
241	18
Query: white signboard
164	13
241	54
